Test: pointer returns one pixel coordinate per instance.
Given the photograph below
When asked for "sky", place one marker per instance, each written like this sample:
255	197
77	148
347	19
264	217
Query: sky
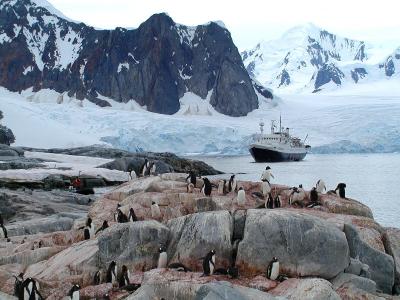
249	21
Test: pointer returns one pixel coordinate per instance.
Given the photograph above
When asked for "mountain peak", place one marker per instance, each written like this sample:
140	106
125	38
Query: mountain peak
50	8
302	31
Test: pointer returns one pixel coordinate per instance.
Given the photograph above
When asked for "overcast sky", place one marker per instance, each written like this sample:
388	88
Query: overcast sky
249	21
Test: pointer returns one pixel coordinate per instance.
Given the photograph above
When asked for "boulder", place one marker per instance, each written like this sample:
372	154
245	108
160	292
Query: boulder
354	267
133	244
193	236
262	283
346	206
131	187
381	264
305	245
4	296
6	277
392	245
310	288
44	225
29	257
239	221
350	279
350	292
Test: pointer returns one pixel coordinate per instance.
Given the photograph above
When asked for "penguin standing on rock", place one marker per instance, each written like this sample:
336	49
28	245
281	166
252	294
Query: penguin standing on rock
207	188
320	186
88	230
270	202
3	232
121	218
314	198
145	169
132	216
232	184
18	286
73	293
103	227
116	213
31	290
191	178
162	258
111	276
241	197
265	188
273	269
209	263
341	190
155	210
97	278
277	201
124	279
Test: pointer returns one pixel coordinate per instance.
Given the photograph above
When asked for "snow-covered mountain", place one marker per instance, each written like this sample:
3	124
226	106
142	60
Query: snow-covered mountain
154	65
310	58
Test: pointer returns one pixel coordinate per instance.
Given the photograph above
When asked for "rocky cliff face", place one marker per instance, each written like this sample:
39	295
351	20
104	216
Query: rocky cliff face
154	65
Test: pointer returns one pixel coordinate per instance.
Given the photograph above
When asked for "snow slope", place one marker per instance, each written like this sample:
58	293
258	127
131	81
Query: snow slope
368	117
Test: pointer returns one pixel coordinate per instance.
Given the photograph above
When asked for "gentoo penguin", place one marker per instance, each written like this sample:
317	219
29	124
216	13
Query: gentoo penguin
270	202
116	212
313	198
209	263
103	227
31	291
340	190
132	174
132	216
265	188
221	187
153	168
232	184
3	232
162	258
143	168
111	276
191	178
320	186
273	269
155	210
190	188
207	188
179	267
73	293
266	175
18	286
88	231
241	197
122	218
277	201
97	278
124	277
297	196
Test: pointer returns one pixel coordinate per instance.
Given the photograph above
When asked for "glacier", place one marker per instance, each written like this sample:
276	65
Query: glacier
349	120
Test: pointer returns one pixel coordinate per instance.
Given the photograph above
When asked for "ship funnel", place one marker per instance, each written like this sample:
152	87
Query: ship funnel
261	127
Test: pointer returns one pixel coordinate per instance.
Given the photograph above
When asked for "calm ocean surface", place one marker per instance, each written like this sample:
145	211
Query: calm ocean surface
373	179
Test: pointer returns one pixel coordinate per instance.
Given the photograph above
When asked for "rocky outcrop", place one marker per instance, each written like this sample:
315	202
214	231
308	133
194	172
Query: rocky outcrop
381	265
328	73
292	237
392	245
154	65
133	244
6	135
362	283
213	230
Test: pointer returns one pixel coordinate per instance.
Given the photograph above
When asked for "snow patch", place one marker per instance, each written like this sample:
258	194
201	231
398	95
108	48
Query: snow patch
27	70
122	66
4	38
192	104
186	33
133	57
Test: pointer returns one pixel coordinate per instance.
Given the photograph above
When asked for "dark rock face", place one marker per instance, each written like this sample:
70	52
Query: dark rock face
358	73
389	67
328	72
285	78
262	90
154	64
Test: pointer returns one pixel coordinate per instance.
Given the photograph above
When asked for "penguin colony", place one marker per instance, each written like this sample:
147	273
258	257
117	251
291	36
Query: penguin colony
27	289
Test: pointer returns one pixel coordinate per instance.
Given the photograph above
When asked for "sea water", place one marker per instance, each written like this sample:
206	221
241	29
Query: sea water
373	179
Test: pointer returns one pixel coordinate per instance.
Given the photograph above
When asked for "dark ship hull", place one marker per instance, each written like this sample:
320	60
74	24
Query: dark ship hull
267	155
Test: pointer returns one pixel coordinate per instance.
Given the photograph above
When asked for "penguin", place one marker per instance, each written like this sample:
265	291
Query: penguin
73	293
297	196
103	227
232	184
265	188
1	220
97	278
179	267
190	188
153	168
209	263
277	201
270	202
132	174
88	231
31	291
116	213
122	218
241	197
3	232
144	167
18	286
273	269
207	188
320	186
191	178
124	277
266	175
155	210
132	216
340	190
111	276
313	198
162	258
221	187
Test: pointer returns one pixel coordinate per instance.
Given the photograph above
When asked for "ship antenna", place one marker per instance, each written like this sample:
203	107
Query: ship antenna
280	123
305	138
261	126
